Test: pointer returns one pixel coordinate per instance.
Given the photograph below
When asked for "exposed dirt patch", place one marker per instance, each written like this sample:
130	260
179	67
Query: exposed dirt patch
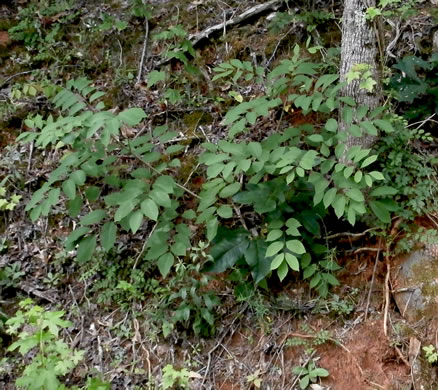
370	362
4	39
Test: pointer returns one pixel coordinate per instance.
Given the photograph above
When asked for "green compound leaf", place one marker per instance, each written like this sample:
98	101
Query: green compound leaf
132	116
155	77
380	211
282	271
274	248
296	247
78	177
165	263
92	218
135	221
150	209
74	206
331	125
225	211
384	125
86	248
74	236
69	188
274	235
108	235
230	246
355	194
339	205
329	197
278	260
308	159
256	259
384	191
377	175
292	261
368	161
229	190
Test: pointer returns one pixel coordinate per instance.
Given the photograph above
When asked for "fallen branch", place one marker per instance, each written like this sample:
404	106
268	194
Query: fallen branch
254	11
272	5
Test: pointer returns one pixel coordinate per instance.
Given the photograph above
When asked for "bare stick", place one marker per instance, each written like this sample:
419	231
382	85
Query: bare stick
143	53
4	82
400	354
348	234
421	123
366	249
385	315
371	284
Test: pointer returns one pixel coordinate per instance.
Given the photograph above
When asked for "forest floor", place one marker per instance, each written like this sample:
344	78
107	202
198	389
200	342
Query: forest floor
356	333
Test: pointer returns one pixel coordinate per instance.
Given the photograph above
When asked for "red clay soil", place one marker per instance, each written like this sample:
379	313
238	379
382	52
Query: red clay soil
370	363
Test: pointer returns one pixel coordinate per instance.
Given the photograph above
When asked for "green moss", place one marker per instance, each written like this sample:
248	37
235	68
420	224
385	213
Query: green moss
6	24
193	120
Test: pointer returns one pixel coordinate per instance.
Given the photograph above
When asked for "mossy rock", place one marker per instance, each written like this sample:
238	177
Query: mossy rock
416	284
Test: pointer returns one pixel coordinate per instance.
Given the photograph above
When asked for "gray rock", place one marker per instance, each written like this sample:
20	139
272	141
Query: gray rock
415	284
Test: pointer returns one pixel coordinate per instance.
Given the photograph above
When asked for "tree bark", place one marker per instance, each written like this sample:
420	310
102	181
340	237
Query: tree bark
359	46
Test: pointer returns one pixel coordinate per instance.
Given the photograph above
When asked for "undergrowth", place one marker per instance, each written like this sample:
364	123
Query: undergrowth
269	190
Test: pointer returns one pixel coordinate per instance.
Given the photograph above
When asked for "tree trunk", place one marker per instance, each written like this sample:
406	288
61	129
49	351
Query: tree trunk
359	46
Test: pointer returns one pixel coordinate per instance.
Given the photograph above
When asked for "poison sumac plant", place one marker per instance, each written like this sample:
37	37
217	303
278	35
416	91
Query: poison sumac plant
287	182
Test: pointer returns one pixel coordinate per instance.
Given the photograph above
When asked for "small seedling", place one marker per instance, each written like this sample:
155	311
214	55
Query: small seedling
309	373
254	379
40	330
173	377
431	354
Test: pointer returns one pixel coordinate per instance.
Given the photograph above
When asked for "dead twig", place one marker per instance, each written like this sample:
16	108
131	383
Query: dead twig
348	234
144	51
400	354
421	123
365	249
387	289
371	284
376	385
29	160
5	81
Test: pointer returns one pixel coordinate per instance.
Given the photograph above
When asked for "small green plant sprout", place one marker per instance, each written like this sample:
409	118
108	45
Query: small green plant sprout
254	379
173	377
109	23
362	72
199	253
431	354
372	12
309	373
10	275
392	8
7	203
52	357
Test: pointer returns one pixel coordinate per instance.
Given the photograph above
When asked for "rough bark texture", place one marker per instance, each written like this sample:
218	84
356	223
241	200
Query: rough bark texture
359	46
